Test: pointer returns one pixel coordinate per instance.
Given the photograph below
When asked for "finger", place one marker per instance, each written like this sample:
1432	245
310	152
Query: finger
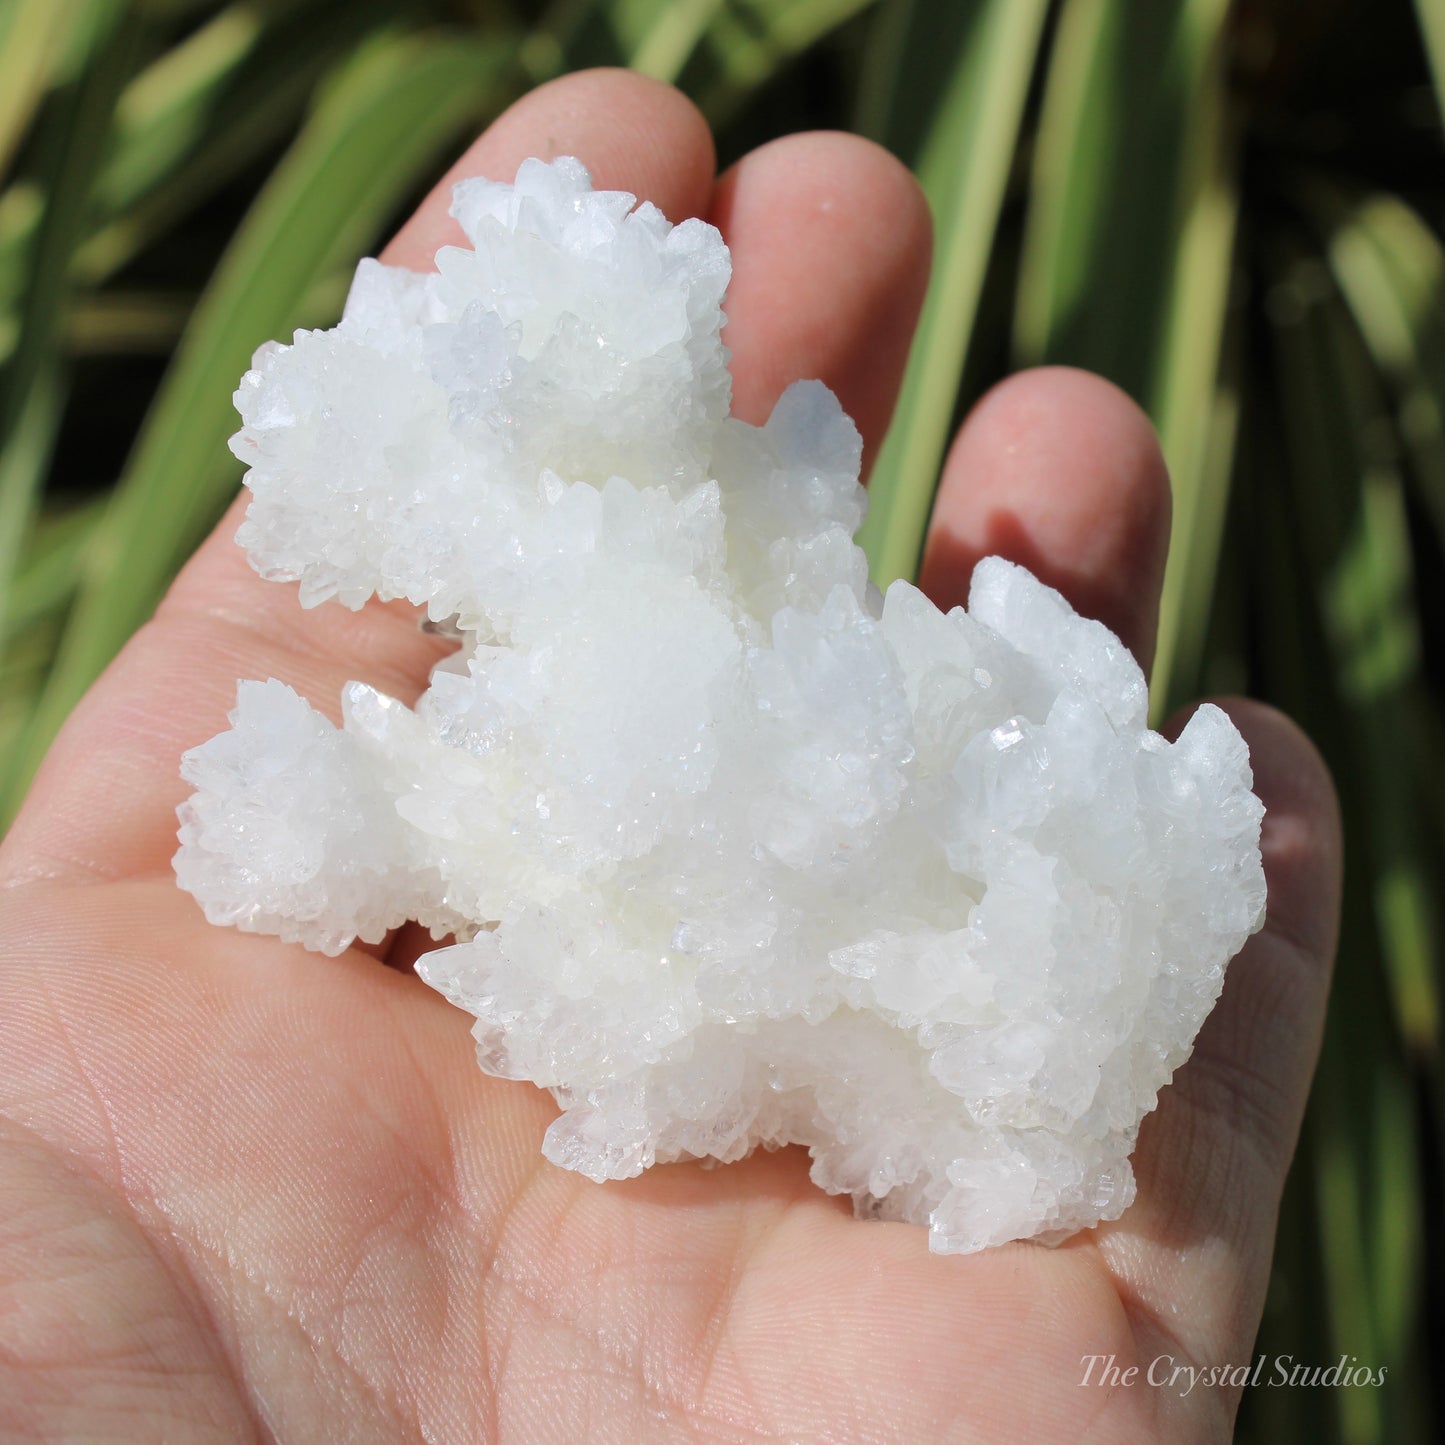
1194	1250
1060	471
831	240
632	133
104	802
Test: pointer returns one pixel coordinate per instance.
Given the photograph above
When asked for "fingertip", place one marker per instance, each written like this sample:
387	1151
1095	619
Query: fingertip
831	240
1061	471
632	132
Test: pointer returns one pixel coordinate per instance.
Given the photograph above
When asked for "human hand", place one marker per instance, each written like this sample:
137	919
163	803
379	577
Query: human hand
247	1192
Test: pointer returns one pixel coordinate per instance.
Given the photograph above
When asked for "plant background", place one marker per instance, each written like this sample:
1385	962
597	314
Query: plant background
1233	208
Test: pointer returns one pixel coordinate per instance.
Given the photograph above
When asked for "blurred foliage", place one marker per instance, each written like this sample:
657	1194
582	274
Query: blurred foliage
1234	210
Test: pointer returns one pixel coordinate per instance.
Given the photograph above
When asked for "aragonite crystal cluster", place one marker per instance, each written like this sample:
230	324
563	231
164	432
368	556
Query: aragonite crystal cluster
736	852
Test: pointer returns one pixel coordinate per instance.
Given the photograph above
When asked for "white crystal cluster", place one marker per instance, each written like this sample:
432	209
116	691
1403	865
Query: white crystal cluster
737	853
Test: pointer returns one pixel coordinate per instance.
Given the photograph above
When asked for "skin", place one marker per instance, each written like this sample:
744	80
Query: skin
252	1193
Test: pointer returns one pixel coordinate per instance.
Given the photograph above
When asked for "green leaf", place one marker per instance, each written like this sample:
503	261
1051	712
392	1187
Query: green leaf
1354	523
205	110
1193	391
33	387
750	41
965	159
1081	136
165	106
1431	17
1395	1224
719	52
50	571
376	132
1343	1229
1128	256
32	45
662	36
1390	268
1128	149
21	207
1345	523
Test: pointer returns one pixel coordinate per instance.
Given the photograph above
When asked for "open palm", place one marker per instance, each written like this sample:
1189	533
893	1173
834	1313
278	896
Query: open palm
248	1192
